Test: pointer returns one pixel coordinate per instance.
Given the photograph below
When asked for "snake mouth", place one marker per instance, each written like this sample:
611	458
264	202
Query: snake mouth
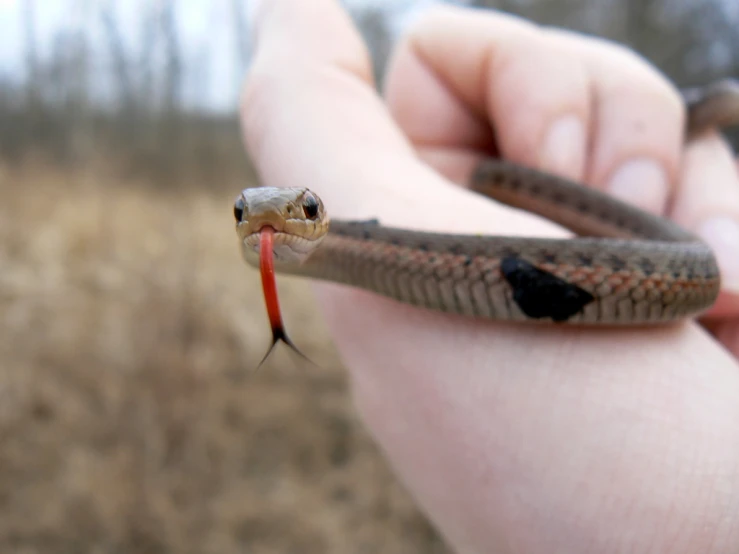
287	247
255	231
280	236
254	225
252	239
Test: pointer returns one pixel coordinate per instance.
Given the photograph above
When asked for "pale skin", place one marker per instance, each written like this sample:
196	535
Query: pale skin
514	438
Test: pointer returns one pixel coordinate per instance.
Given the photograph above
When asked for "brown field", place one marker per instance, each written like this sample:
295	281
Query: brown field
130	416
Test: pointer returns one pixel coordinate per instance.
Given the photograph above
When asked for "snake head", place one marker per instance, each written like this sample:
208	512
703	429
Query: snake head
297	216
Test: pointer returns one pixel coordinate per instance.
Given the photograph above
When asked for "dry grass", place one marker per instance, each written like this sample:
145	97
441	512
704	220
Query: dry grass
130	420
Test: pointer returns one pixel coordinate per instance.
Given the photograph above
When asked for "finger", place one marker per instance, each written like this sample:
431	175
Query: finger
309	96
479	67
707	202
638	130
445	132
726	329
727	333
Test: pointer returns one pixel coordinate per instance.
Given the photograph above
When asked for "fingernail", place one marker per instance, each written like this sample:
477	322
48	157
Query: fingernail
722	235
641	182
563	150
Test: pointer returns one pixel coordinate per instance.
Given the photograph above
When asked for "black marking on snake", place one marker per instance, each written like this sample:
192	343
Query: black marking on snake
558	197
605	215
674	267
585	259
549	257
647	266
617	264
456	249
497	177
540	294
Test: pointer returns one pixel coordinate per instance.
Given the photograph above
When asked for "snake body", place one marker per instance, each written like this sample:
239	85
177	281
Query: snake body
629	267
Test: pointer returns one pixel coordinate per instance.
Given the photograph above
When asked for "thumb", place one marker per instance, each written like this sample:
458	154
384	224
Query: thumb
309	109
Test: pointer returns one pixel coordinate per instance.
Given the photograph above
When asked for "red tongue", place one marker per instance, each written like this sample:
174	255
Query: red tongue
269	287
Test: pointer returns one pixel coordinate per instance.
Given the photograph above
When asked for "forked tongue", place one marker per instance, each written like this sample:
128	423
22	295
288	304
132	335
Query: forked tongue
269	287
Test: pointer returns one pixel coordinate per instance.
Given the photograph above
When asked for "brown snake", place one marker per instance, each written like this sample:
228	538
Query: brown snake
640	269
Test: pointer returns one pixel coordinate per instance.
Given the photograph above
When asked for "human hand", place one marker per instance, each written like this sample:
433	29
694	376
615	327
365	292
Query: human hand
512	438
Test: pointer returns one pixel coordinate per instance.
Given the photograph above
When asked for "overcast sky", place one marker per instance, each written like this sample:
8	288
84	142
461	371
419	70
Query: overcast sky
206	33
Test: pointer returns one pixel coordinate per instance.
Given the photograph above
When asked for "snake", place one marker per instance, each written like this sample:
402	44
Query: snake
625	267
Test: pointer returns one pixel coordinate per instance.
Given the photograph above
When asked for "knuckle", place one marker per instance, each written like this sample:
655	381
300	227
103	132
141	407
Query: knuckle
357	62
628	73
618	68
502	27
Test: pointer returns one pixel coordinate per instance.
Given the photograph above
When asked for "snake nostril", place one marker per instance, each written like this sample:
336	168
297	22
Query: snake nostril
239	208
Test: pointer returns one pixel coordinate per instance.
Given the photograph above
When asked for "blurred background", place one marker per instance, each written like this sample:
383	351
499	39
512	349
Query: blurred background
131	419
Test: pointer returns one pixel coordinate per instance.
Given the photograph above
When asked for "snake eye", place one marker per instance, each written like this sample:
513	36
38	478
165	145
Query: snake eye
239	209
310	206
